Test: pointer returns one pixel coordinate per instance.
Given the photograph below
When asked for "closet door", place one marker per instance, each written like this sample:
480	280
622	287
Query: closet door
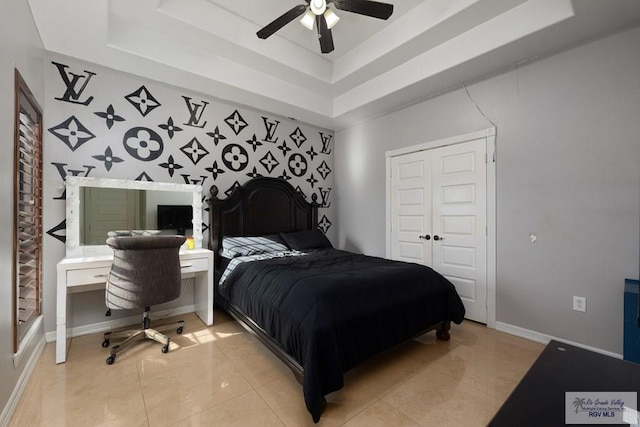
411	208
109	209
438	217
459	176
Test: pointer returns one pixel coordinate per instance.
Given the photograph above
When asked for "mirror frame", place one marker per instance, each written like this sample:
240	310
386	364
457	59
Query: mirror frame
73	188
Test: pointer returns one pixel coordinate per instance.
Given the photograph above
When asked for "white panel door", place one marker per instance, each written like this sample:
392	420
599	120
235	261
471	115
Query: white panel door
110	209
411	206
438	217
460	222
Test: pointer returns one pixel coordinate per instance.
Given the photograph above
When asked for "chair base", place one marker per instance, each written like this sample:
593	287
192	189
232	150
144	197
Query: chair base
135	335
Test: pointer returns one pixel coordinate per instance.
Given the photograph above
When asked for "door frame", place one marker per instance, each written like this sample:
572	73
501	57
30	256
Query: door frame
490	139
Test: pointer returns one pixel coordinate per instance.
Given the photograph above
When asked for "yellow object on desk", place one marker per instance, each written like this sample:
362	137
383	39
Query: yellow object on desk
190	243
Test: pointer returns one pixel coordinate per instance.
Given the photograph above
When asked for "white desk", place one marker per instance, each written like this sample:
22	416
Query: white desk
81	274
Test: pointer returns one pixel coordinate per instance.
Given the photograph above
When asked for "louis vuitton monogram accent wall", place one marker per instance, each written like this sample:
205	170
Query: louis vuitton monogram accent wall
105	123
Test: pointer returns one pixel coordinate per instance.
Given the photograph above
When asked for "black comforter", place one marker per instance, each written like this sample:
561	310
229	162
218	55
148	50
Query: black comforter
331	309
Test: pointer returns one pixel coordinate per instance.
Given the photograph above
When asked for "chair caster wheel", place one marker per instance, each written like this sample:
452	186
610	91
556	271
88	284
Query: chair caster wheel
165	349
179	330
111	359
105	343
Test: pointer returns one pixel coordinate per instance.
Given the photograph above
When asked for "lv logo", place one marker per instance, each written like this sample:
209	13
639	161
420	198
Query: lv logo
271	127
188	179
326	142
71	81
324	195
195	112
65	172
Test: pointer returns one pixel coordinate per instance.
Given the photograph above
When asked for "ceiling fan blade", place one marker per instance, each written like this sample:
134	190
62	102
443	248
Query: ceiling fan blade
281	21
324	35
366	7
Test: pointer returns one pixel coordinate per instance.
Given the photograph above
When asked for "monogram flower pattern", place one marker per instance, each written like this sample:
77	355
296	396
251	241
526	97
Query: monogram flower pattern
170	127
72	133
298	137
284	148
285	176
324	170
254	173
108	158
312	181
324	224
194	151
236	122
217	136
312	153
154	142
297	165
143	101
170	165
215	171
110	116
235	157
269	162
143	144
254	142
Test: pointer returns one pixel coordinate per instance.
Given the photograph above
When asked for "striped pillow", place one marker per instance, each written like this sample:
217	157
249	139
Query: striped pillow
243	246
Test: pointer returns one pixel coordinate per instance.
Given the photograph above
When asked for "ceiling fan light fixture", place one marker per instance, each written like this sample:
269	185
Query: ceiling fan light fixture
308	19
331	18
318	6
316	13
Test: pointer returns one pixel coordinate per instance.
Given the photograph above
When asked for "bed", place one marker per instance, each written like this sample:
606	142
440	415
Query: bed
321	310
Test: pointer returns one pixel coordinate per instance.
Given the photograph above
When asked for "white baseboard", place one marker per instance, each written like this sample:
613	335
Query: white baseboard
108	325
27	342
544	338
12	403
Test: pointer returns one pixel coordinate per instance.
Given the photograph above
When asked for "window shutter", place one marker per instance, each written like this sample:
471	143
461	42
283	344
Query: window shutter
29	219
28	211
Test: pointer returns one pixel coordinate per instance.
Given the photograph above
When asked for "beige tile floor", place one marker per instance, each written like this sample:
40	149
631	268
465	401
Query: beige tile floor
221	376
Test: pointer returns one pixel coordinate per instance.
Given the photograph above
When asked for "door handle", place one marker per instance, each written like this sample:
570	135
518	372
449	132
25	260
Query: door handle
425	237
436	238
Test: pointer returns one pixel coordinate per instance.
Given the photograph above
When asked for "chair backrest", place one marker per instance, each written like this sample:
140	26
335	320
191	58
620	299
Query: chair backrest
145	271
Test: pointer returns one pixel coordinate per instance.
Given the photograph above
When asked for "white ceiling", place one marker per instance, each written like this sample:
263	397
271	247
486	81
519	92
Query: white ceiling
425	48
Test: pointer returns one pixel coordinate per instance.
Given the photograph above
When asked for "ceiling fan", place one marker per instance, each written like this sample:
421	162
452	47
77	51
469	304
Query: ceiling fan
318	12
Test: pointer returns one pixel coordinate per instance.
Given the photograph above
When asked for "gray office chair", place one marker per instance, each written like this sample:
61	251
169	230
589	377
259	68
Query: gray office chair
145	272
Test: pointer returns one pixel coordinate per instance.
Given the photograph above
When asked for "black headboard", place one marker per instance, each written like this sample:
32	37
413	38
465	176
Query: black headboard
261	206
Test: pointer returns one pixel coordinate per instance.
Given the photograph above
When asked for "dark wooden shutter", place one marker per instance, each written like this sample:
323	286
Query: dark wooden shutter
27	210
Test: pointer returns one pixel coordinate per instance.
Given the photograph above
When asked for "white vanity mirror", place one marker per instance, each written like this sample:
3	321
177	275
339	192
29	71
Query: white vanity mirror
97	205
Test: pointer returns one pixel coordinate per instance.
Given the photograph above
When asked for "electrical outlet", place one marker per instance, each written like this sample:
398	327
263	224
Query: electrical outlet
580	304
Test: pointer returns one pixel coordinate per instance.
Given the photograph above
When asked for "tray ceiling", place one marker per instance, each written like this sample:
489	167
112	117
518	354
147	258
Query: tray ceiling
427	47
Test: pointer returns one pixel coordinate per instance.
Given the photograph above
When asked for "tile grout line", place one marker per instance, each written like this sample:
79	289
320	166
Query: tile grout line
144	401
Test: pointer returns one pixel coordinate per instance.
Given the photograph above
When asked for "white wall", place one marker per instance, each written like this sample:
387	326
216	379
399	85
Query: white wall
568	142
20	47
